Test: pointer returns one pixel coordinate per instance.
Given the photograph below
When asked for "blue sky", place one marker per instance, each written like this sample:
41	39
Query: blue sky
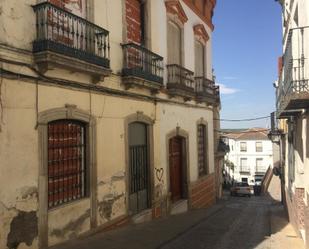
246	45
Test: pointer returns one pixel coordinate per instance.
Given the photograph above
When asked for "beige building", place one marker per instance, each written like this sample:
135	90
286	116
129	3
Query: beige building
292	111
108	114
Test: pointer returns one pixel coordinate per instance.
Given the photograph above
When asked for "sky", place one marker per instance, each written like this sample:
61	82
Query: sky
246	46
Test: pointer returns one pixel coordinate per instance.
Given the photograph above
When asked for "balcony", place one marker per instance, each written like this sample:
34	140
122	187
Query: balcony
68	41
244	170
180	82
142	67
205	90
293	88
260	170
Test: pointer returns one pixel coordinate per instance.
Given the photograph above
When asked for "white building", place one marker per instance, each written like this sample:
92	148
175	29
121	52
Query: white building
292	93
250	156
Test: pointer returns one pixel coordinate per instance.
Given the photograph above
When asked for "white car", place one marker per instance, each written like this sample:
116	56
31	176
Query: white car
241	188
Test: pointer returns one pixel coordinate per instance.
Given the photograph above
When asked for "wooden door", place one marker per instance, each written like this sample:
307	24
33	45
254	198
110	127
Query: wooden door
176	165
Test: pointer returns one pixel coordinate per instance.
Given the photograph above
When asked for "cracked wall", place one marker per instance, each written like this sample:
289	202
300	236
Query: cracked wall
111	198
19	220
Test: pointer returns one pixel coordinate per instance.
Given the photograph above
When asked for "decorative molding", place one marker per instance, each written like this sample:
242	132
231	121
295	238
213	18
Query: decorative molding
173	7
201	33
205	14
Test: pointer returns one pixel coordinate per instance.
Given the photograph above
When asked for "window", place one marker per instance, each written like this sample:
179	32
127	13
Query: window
174	44
259	147
67	165
199	59
259	165
243	146
202	149
243	165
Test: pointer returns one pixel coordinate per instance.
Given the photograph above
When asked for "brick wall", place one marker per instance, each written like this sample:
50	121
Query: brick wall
296	208
202	192
306	211
133	19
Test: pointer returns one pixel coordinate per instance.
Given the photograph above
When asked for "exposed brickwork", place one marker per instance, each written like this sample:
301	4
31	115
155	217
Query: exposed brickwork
307	222
133	19
202	192
296	208
300	207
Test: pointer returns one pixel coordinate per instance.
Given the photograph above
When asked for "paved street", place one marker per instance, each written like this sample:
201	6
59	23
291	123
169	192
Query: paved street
234	222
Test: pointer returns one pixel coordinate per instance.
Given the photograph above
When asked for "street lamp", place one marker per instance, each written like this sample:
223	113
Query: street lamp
275	136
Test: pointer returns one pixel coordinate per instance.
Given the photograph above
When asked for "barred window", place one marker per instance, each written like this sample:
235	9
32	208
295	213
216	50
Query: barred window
67	178
202	149
243	146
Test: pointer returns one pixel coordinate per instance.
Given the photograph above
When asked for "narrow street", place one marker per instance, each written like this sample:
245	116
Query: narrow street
242	223
234	222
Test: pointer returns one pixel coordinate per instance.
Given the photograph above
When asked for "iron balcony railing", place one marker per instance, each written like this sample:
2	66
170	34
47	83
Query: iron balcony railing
180	77
65	33
204	86
143	63
260	169
244	169
294	78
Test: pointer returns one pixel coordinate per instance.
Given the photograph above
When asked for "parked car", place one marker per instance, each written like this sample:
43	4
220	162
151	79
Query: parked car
241	188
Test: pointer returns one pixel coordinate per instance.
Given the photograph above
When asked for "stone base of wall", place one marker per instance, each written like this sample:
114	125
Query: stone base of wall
202	192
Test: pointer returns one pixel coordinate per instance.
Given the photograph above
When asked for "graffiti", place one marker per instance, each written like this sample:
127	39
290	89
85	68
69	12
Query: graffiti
159	174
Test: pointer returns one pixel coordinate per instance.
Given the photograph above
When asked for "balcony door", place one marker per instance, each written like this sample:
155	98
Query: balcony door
199	59
173	44
76	7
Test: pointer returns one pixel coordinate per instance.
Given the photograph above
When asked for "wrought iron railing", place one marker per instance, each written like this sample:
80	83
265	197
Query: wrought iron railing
141	62
180	76
260	169
63	32
295	76
204	86
244	169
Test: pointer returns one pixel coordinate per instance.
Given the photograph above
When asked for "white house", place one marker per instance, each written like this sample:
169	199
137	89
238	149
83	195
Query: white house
250	155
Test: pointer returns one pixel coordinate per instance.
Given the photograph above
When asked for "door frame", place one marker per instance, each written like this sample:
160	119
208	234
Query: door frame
139	117
178	132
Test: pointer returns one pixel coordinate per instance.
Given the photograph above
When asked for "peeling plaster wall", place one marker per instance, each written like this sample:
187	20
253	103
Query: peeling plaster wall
19	146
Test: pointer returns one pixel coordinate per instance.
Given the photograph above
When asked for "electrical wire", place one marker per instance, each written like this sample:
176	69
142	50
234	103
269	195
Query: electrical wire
243	120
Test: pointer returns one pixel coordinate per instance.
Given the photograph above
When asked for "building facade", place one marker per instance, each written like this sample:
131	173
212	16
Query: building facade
108	114
250	155
291	131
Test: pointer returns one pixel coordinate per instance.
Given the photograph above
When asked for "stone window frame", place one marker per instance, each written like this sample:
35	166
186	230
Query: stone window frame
142	118
185	135
69	112
205	123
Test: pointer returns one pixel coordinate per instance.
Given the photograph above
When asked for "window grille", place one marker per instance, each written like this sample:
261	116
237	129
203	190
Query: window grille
202	150
66	162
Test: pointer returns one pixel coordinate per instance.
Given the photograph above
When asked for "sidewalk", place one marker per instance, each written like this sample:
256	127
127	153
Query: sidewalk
283	235
150	235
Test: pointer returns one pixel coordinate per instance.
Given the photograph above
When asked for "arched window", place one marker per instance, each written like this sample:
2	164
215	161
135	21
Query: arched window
67	164
202	149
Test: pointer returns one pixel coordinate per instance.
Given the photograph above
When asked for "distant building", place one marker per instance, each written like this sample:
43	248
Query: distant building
249	157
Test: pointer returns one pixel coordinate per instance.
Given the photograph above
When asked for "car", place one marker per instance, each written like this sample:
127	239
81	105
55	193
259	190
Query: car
241	188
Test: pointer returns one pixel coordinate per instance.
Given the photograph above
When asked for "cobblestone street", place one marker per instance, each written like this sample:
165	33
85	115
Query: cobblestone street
234	222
